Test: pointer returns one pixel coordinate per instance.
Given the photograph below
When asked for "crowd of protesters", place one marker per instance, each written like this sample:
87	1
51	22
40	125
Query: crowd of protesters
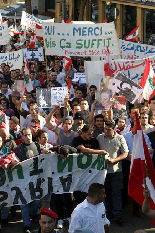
75	128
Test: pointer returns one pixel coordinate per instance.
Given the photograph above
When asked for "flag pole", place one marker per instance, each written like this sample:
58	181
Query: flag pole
46	66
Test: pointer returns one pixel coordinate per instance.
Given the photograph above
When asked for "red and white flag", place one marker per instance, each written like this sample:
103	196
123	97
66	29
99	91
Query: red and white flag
39	32
27	78
108	71
67	62
105	20
68	21
148	81
133	34
141	168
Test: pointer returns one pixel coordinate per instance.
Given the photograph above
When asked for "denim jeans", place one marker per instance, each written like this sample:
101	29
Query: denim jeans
29	209
5	212
113	189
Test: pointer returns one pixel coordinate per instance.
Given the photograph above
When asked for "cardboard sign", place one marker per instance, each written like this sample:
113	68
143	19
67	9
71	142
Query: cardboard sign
37	176
126	87
80	39
13	59
48	98
4	34
79	77
103	98
33	54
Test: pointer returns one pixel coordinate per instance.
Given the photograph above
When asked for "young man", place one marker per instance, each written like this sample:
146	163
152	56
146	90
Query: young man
132	115
14	127
90	214
64	136
24	151
85	110
86	144
144	121
121	127
47	221
116	146
79	121
99	125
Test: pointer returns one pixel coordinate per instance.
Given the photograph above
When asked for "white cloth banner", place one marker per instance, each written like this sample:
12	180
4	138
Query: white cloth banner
35	177
13	59
35	54
4	34
131	50
133	69
80	39
28	20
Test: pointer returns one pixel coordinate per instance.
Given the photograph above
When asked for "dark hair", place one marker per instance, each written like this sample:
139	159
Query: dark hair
153	98
143	113
25	128
75	105
6	100
40	132
86	128
92	86
78	89
32	103
133	108
4	82
98	116
110	124
95	189
14	119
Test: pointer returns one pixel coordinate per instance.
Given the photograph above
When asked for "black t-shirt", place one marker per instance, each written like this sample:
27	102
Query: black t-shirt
91	144
24	151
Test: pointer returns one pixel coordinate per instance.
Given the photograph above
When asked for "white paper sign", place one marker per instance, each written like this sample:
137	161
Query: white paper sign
28	20
80	39
35	177
35	54
131	50
78	77
4	34
125	87
13	59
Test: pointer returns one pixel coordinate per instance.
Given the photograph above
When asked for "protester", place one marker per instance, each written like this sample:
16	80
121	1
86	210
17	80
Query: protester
91	208
116	146
47	221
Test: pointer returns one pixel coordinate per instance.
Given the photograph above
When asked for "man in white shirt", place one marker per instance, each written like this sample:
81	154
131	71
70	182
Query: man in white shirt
90	214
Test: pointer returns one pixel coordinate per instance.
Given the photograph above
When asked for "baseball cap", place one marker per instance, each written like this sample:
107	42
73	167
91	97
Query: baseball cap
69	118
79	115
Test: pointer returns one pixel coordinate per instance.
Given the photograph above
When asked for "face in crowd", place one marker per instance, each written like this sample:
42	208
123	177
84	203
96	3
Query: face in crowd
27	136
68	125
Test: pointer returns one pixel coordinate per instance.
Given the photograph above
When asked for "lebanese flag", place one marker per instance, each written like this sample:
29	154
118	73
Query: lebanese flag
27	78
105	20
133	34
67	62
108	71
8	159
148	81
141	168
39	32
68	21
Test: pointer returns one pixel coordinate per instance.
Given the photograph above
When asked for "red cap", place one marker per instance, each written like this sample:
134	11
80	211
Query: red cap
49	213
35	124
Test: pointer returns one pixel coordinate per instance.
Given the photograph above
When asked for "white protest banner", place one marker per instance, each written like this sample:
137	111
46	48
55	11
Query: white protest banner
94	75
80	39
4	34
35	54
28	20
125	87
13	59
35	177
131	50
